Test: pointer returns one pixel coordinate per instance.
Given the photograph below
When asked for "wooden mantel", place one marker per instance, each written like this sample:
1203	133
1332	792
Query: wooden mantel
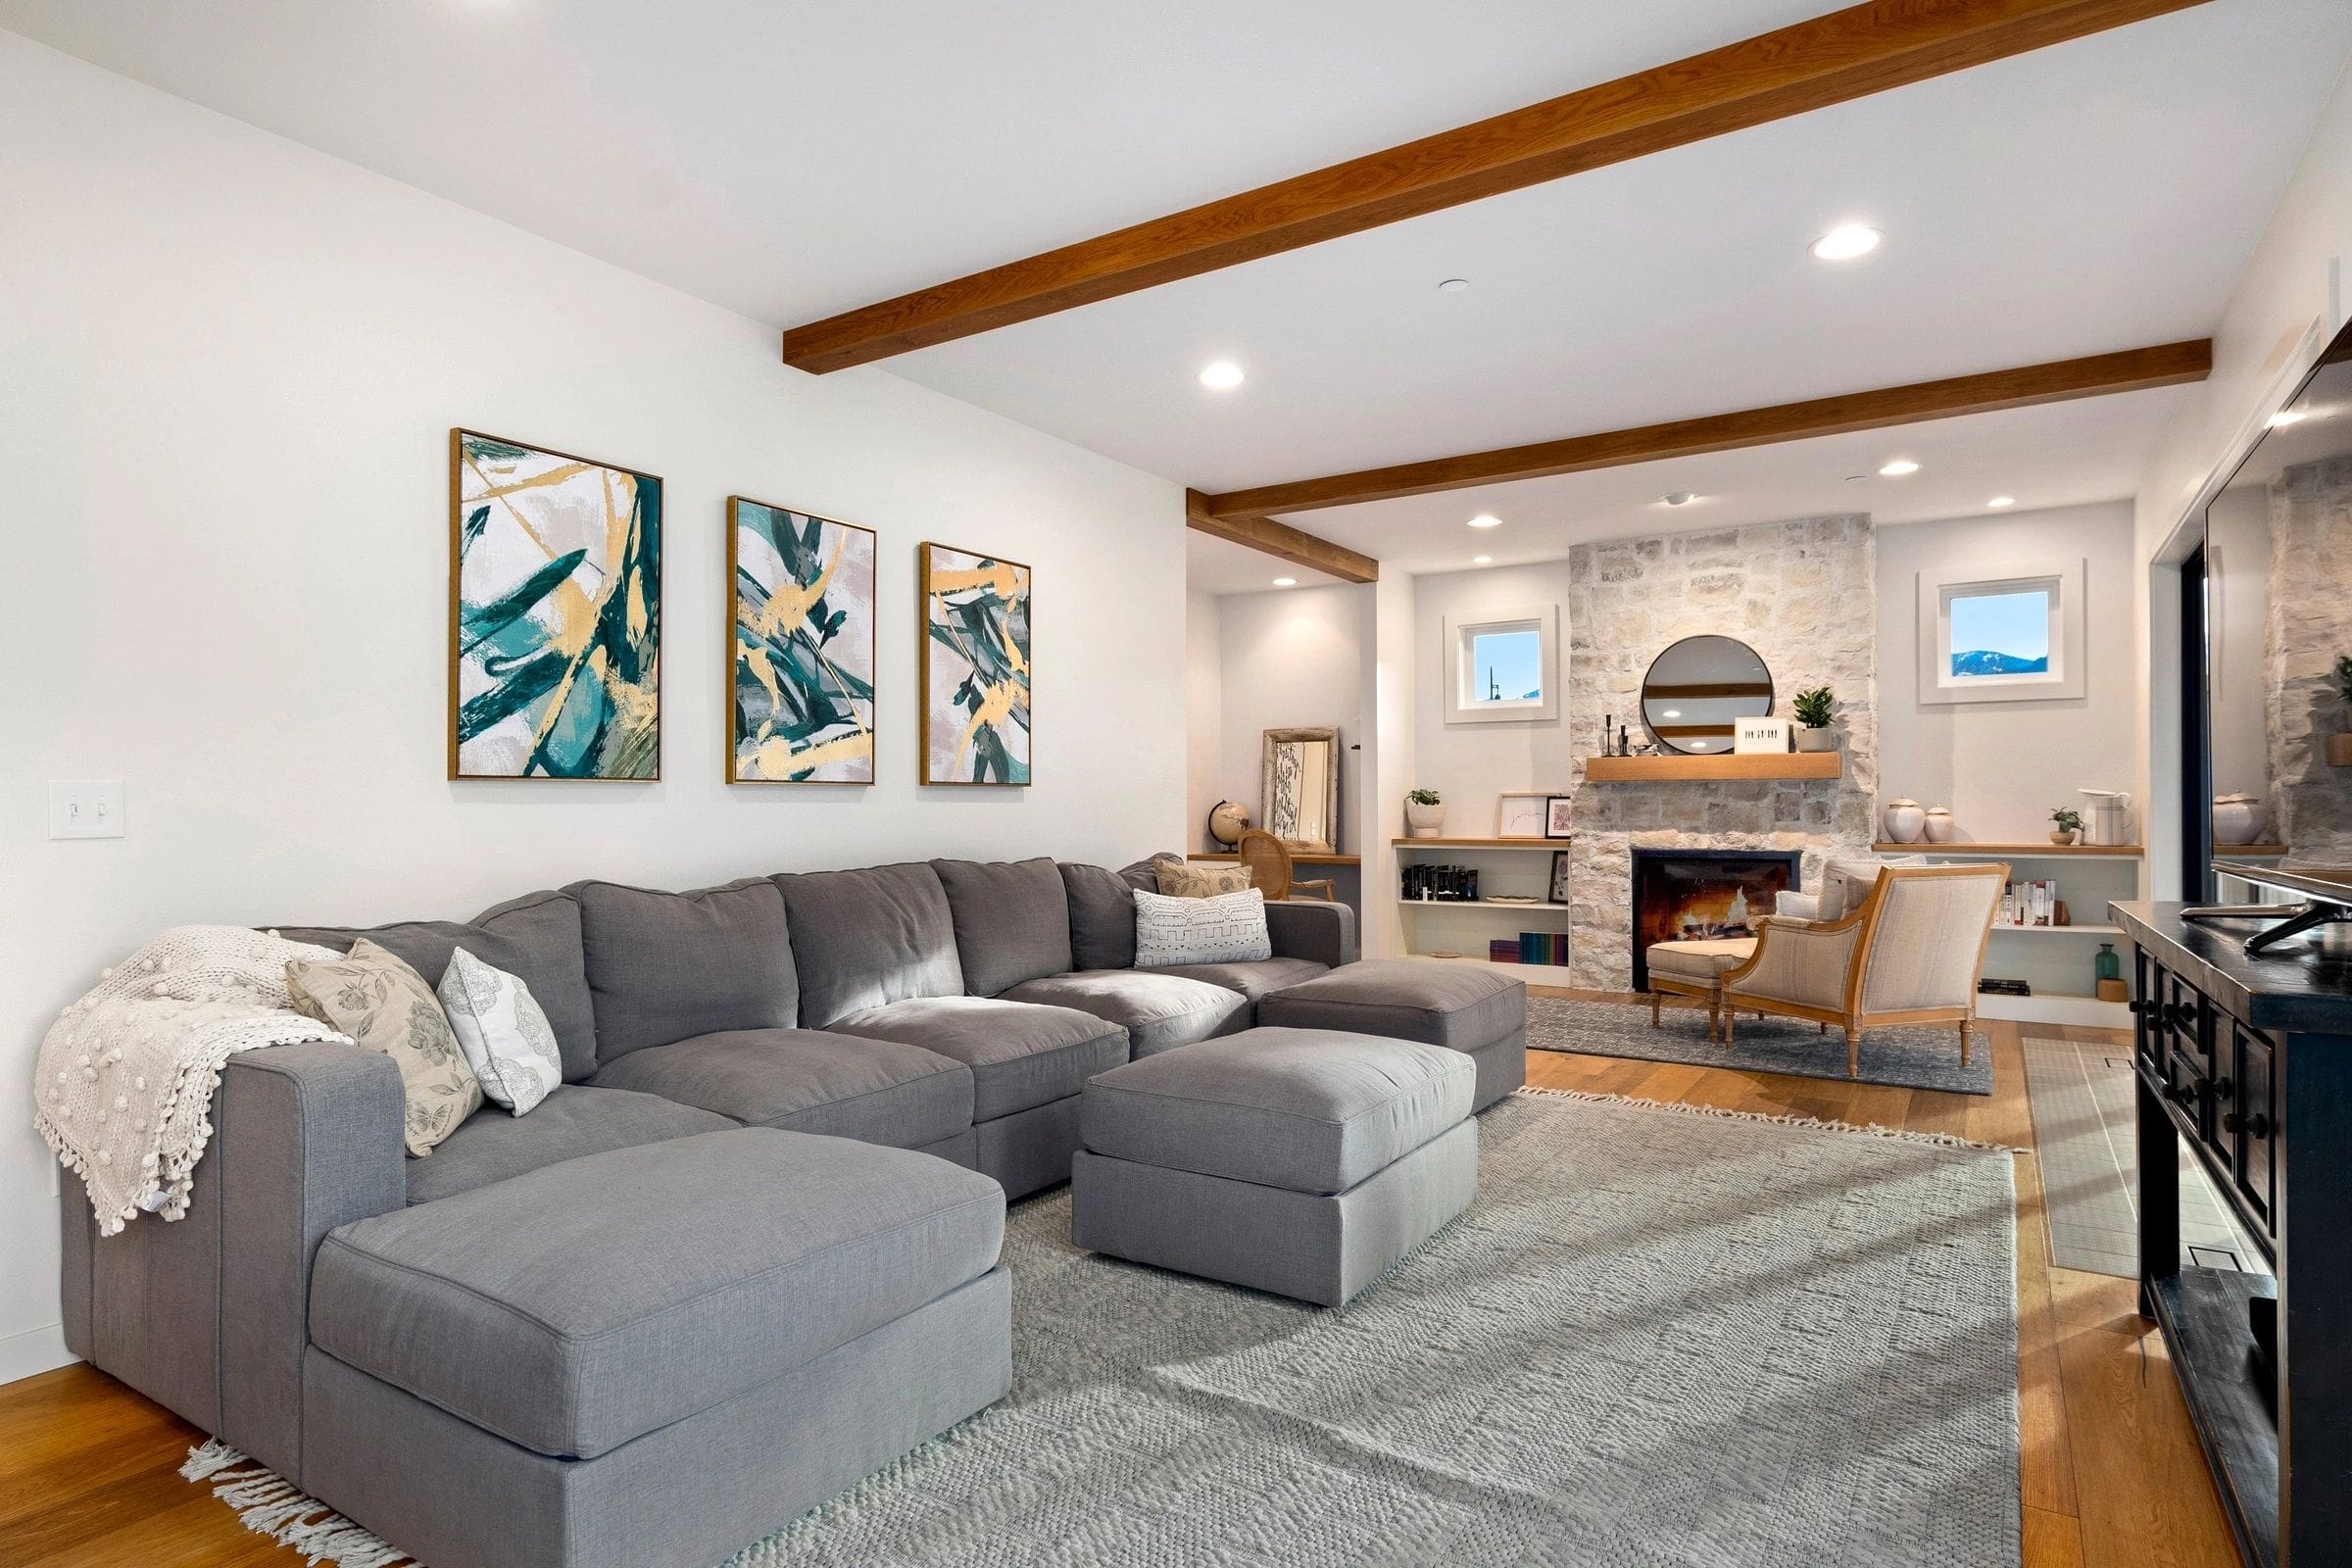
1696	769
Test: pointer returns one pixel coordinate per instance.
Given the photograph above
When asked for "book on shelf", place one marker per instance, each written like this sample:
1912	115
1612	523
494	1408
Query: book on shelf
1439	883
1502	950
2032	904
1991	986
1543	947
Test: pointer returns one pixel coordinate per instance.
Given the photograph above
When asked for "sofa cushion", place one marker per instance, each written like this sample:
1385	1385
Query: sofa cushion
386	1005
1101	917
1011	920
535	938
703	1268
1021	1055
1158	1012
1252	978
1178	878
1303	1109
1456	1004
491	1146
666	967
808	1081
1702	962
867	937
1224	928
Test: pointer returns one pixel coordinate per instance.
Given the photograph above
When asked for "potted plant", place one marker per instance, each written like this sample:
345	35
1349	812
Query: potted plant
1424	816
1813	716
2070	825
2339	745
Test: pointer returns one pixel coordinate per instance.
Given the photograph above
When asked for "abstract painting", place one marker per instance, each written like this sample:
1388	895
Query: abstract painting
801	655
556	615
976	664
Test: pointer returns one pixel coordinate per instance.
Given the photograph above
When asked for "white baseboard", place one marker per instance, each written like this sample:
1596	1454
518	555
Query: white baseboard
35	1350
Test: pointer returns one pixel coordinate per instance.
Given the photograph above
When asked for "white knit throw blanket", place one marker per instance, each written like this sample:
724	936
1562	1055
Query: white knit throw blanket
123	1088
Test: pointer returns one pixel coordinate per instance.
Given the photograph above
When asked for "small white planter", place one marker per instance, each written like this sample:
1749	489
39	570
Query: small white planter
1821	739
1424	822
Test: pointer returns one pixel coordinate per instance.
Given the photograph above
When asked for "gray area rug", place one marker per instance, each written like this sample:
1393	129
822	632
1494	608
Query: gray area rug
2082	1098
1908	1056
1662	1336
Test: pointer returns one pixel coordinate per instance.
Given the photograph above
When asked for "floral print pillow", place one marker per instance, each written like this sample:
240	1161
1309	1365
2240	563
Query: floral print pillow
371	995
506	1037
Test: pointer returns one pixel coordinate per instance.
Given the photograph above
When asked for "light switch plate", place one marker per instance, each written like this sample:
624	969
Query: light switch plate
85	807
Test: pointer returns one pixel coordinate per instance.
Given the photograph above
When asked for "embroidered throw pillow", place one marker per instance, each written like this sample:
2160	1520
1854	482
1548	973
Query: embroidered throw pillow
1846	881
386	1005
1230	928
507	1039
1182	879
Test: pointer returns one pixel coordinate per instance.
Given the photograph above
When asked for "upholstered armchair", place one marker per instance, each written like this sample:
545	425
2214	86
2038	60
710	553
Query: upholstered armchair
1911	954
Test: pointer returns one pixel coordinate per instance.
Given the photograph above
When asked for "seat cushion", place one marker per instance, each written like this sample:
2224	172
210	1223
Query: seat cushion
703	1268
667	967
1021	1055
1253	978
1304	1109
491	1145
1158	1012
1705	962
535	938
808	1081
869	937
1012	921
1101	917
1456	1004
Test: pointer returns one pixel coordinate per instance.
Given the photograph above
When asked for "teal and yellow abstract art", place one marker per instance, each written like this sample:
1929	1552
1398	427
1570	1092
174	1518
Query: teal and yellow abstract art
800	654
556	615
976	664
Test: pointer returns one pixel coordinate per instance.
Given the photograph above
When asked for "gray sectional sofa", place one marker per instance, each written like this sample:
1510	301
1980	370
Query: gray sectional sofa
717	1275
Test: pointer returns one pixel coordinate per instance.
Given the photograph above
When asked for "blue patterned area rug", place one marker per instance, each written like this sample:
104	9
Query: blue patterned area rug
1908	1056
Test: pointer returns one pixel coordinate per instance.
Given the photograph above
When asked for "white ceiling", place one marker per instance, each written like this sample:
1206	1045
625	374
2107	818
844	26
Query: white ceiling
1217	565
793	161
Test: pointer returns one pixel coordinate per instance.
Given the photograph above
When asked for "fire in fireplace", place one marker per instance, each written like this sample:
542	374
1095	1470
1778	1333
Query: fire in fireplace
1687	895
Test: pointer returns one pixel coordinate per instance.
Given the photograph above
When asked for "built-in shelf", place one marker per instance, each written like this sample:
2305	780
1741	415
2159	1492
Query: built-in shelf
2017	851
2251	852
2054	1007
1478	903
1689	769
1480	844
2059	930
1298	858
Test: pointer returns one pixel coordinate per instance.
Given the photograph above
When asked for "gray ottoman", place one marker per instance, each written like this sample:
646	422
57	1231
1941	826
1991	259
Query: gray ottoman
1461	1006
1293	1160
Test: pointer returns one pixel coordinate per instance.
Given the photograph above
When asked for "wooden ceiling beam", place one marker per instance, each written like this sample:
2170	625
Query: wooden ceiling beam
1831	59
1278	539
2096	376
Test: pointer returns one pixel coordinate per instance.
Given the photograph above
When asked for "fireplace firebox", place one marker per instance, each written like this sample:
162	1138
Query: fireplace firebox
1687	895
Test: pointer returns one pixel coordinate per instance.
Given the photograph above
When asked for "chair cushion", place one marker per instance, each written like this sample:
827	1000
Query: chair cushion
1101	915
865	938
1158	1012
1011	919
1705	962
808	1081
704	1268
491	1146
1303	1109
535	938
1253	978
665	966
1021	1055
1455	1005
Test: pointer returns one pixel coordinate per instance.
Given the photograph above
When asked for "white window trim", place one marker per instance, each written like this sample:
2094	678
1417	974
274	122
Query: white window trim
1544	622
2063	577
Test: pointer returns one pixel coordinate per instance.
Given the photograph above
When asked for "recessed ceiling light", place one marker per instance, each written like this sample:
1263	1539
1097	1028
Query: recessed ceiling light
1221	377
1899	467
1480	561
1680	498
1453	285
2002	501
2287	417
1845	242
1485	520
1285	582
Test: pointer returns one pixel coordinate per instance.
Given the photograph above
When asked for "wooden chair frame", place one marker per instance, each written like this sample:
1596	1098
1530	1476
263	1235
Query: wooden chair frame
1268	860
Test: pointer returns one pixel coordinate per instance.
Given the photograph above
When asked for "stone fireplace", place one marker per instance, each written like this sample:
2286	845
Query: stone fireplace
1684	895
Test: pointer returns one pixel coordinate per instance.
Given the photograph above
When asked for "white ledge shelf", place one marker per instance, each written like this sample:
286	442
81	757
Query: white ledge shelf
1481	844
1478	903
2059	930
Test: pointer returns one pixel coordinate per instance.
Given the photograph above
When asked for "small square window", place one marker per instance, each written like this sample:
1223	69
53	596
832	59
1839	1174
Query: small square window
1502	666
2011	636
2000	633
1506	665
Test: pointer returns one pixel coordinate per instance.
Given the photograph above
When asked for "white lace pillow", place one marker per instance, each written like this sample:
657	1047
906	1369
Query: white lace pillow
503	1032
1230	928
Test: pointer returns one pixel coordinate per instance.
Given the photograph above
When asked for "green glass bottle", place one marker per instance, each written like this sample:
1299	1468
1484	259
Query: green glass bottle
2107	966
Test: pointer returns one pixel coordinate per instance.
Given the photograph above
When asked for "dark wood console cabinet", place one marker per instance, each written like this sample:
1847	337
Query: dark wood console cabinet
2249	1063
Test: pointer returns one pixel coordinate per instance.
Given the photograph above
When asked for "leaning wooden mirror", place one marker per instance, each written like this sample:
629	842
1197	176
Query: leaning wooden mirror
1302	788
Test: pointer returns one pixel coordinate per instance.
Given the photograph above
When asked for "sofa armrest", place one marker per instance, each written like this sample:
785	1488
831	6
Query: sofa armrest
304	1138
1312	928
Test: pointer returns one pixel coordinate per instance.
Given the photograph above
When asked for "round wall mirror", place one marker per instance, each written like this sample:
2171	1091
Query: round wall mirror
1697	686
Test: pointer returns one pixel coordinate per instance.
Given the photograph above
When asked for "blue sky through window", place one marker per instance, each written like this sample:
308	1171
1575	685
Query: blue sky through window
1506	665
2016	627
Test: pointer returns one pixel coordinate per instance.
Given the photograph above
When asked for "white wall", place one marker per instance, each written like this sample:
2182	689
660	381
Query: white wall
2002	768
1291	660
1470	765
233	364
1203	717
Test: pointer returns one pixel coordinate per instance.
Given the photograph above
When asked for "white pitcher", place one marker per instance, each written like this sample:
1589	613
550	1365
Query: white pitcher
2106	816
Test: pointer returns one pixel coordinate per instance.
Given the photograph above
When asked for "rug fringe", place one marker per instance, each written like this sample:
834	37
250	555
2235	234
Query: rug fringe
1861	1129
272	1505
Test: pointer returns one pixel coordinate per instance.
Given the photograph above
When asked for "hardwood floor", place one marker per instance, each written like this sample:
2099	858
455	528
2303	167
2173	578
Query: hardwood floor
2111	1472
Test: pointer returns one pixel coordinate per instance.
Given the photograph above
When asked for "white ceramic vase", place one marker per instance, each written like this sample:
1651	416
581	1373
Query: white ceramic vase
1906	821
2236	818
1939	825
1424	822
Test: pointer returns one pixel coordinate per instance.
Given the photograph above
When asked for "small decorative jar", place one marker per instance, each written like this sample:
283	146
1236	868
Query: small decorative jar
1939	825
2236	818
1906	821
